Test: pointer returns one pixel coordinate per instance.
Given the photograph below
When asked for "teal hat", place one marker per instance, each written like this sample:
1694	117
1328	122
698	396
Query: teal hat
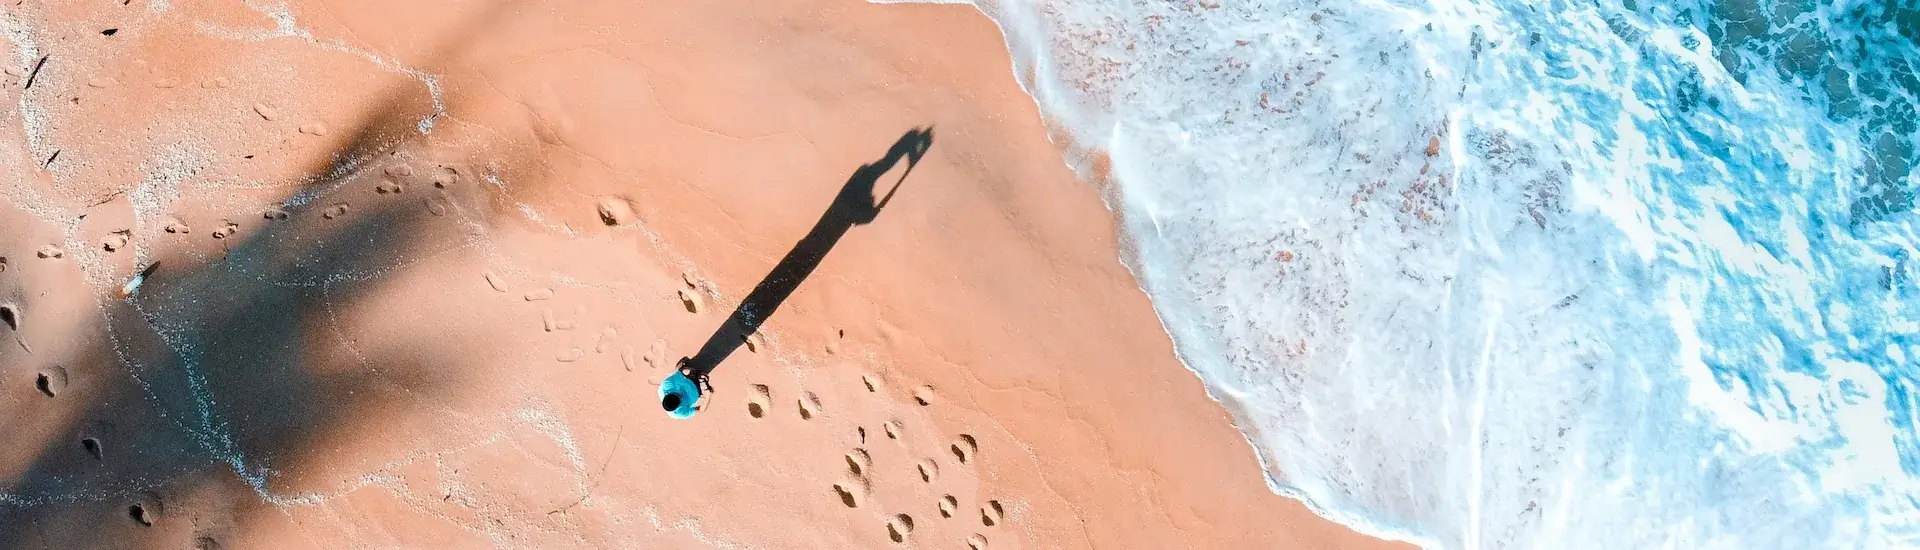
678	394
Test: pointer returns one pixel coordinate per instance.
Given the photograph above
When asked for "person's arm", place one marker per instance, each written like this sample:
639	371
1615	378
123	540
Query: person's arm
882	203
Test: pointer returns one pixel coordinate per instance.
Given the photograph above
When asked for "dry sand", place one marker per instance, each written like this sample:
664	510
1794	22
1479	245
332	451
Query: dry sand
422	264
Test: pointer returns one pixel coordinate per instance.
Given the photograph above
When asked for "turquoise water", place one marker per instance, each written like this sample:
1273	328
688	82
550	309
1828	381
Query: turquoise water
1491	274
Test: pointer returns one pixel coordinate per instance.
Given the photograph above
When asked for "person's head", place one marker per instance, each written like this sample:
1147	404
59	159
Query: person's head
679	395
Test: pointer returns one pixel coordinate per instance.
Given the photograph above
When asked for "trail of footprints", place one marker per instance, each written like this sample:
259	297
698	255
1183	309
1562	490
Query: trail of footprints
614	212
857	482
147	508
606	340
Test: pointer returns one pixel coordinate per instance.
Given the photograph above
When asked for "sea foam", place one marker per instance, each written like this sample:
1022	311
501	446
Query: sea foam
1653	287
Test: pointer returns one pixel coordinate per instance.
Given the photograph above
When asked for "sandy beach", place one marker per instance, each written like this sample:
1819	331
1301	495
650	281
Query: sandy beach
417	270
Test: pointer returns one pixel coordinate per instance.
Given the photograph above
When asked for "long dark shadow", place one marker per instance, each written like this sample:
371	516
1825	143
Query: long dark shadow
153	431
854	205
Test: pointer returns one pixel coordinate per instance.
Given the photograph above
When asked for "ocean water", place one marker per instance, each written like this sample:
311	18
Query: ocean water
1527	274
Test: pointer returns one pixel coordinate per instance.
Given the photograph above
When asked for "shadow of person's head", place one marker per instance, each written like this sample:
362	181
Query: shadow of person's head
913	145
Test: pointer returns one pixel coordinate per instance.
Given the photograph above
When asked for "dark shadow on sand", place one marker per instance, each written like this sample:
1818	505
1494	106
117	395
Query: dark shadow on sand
856	204
199	391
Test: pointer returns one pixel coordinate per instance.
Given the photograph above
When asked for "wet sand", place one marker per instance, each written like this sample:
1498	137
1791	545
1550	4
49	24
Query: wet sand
420	270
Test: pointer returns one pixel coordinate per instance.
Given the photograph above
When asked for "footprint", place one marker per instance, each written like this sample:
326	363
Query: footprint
858	462
335	211
388	187
266	112
604	339
626	358
755	341
849	497
899	527
570	324
757	402
691	300
809	406
316	129
494	280
928	470
964	448
227	229
616	211
147	510
571	355
178	227
538	295
51	252
892	429
400	171
923	395
833	346
92	446
273	214
863	434
872	382
115	241
444	178
657	354
991	514
948	505
977	541
10	315
551	323
52	381
436	206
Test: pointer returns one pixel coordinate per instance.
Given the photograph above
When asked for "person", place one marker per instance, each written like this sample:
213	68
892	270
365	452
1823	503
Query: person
684	392
854	205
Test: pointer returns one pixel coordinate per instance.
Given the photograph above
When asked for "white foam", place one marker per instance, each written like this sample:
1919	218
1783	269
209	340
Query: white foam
1640	309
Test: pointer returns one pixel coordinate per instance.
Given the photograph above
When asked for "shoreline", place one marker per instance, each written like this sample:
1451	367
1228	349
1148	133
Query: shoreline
1095	168
478	355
